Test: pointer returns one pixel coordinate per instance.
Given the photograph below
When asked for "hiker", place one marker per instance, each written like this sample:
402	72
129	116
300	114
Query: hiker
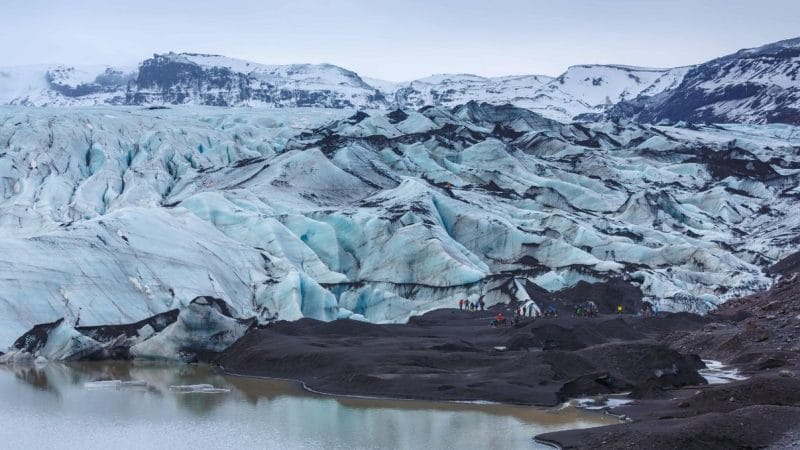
647	309
460	304
498	320
591	309
619	309
482	304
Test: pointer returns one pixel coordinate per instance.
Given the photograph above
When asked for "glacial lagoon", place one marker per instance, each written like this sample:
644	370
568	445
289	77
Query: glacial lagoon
150	406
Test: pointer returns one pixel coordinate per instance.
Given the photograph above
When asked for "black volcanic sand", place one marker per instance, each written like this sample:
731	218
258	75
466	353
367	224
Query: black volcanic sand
760	335
456	355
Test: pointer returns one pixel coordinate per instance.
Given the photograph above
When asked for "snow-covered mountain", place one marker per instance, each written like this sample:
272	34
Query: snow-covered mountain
113	214
61	85
451	90
757	85
219	81
189	79
588	89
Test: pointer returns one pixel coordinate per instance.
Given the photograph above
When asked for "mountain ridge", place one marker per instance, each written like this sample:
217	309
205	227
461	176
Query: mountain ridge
765	87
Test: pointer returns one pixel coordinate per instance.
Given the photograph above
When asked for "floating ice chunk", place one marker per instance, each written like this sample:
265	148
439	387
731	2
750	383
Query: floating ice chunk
198	389
104	384
115	384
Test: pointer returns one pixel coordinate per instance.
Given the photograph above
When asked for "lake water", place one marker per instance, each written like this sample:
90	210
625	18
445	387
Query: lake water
52	407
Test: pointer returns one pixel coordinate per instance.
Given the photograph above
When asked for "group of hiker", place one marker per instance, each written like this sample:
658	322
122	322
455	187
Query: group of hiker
526	310
466	305
586	309
530	310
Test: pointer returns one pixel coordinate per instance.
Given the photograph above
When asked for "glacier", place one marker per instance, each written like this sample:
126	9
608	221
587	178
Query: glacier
114	214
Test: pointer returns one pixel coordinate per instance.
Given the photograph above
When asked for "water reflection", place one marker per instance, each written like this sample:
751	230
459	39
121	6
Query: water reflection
50	406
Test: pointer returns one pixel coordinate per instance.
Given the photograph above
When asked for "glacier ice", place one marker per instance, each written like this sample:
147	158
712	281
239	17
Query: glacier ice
50	342
205	326
200	330
112	215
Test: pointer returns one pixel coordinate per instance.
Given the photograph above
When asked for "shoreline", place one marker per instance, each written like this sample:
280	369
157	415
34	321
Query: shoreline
547	409
309	389
450	356
552	444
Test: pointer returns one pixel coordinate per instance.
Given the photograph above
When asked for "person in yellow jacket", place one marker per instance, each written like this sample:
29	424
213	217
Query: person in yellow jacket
619	309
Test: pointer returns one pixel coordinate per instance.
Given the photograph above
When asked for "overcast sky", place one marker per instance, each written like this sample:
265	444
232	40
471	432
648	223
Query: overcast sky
397	40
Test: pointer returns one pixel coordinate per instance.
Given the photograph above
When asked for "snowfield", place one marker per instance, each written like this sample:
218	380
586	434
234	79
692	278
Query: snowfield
110	215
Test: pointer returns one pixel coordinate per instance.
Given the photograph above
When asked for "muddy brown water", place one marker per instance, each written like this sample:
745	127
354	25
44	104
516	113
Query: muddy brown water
52	407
